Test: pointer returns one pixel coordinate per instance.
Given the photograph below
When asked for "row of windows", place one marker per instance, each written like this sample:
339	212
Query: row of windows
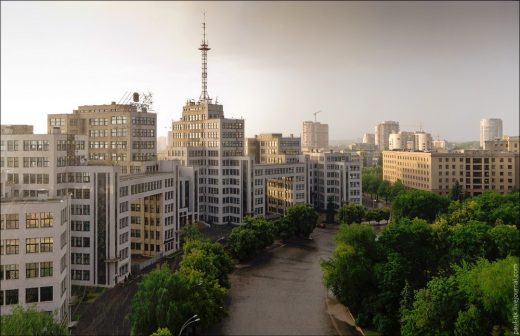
32	220
31	295
32	270
73	177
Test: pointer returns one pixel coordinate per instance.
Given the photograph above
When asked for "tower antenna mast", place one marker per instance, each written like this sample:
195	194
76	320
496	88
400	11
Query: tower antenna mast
204	48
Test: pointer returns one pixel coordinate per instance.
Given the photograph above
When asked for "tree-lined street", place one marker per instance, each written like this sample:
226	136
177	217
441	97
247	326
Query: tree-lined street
281	292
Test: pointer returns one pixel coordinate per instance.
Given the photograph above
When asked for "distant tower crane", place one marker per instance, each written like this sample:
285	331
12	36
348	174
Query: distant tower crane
315	114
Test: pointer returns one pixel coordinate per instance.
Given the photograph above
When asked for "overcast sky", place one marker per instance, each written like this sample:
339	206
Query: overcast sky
443	64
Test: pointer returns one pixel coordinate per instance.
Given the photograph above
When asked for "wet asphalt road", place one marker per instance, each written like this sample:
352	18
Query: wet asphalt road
282	292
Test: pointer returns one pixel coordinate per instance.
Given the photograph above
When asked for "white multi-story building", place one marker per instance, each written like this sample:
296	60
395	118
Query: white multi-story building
490	129
35	251
335	176
383	131
47	166
315	135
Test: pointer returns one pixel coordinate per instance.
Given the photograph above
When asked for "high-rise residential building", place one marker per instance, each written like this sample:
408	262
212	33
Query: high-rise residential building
383	131
315	135
490	129
118	134
477	171
369	138
273	148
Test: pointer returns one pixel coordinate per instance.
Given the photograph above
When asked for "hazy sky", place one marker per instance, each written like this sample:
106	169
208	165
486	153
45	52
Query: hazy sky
443	64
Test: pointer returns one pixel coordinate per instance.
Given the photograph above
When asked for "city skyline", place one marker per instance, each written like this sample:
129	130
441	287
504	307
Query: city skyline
265	57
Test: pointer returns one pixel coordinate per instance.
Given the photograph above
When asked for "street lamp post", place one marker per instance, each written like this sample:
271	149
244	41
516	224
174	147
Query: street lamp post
189	321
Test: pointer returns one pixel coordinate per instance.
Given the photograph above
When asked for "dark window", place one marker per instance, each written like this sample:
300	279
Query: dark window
31	295
46	293
11	296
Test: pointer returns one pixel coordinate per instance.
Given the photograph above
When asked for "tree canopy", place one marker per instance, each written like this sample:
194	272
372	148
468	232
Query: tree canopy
30	321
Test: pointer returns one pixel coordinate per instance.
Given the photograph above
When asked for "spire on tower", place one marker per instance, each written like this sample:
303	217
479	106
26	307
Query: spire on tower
204	51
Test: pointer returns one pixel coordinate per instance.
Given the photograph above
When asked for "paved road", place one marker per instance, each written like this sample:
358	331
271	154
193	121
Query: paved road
282	292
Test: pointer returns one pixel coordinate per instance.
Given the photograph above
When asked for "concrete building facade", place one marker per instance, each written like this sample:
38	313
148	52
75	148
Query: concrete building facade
124	135
334	175
273	148
477	171
35	252
315	135
369	138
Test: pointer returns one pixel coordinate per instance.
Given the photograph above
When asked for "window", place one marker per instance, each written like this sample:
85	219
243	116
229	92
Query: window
46	269
32	220
31	270
11	221
46	244
32	245
31	295
11	272
46	293
11	296
12	246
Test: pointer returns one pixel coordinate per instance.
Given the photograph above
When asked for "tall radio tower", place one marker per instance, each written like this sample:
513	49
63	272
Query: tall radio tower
204	49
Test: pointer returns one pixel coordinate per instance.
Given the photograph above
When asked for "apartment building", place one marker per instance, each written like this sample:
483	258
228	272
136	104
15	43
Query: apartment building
383	131
273	148
477	171
35	252
315	135
124	135
490	129
506	144
335	176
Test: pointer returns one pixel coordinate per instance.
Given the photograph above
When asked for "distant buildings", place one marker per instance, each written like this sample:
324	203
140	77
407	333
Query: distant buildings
369	138
383	131
315	135
490	129
506	144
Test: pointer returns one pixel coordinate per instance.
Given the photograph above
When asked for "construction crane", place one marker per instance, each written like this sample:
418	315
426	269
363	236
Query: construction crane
315	114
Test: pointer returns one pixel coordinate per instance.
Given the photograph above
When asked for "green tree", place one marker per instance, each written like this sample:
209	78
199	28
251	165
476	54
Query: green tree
469	241
209	258
506	240
243	243
191	232
265	230
397	188
284	228
476	300
456	193
30	321
351	213
385	190
331	211
303	218
418	203
349	273
435	309
162	332
165	299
